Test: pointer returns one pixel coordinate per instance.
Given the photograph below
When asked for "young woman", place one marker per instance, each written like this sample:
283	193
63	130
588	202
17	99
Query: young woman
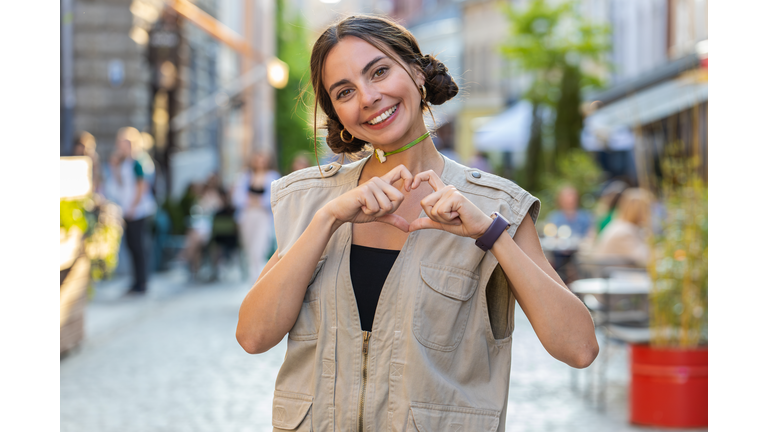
252	201
396	275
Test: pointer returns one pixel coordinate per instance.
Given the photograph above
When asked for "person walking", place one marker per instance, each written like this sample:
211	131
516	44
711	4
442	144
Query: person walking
126	185
251	198
396	275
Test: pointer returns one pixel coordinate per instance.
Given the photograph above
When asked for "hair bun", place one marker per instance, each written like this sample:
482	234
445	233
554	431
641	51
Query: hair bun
440	85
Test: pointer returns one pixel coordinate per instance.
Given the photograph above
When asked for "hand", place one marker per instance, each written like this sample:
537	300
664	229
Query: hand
373	201
448	210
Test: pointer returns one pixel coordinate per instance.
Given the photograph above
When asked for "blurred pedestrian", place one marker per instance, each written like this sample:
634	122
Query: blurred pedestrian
300	161
251	197
85	145
126	186
480	161
626	236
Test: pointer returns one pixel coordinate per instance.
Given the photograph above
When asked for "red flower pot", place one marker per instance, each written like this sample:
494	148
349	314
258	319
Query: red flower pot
668	386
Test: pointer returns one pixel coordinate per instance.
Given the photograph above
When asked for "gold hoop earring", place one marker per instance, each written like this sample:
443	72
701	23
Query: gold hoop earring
423	93
341	134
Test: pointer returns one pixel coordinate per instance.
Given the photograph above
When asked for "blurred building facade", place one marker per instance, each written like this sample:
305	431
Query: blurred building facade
658	90
142	63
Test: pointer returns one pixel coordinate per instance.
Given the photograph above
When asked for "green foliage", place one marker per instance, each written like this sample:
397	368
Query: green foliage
679	261
102	232
178	211
74	213
559	49
103	244
546	39
292	121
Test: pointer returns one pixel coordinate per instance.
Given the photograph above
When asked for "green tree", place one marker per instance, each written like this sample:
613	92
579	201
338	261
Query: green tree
559	48
292	130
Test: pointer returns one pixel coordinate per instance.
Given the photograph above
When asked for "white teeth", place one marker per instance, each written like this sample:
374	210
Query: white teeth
383	116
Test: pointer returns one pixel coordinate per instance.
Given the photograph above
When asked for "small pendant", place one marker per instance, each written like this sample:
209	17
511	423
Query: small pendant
380	156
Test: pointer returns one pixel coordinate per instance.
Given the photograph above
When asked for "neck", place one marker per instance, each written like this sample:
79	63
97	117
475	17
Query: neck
421	157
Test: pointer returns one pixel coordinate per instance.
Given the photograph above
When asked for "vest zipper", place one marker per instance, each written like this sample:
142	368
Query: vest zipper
366	337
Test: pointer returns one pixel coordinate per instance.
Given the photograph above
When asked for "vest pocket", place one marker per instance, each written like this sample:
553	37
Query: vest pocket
292	411
308	321
432	418
442	306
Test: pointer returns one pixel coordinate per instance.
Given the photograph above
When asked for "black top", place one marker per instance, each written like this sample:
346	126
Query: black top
369	268
254	190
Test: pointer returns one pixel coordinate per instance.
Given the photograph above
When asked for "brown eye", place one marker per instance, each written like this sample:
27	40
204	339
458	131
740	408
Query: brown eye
343	93
379	72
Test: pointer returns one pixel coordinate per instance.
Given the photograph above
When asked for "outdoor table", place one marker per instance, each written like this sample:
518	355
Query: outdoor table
627	285
623	285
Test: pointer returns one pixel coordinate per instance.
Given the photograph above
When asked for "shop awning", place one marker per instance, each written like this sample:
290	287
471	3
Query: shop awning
507	131
647	106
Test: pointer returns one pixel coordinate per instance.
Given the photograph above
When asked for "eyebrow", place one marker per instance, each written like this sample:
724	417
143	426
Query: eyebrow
364	71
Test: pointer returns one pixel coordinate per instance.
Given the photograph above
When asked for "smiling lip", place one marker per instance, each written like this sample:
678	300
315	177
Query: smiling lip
379	113
386	122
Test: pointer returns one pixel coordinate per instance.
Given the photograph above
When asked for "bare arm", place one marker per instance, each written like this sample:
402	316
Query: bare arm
558	317
272	306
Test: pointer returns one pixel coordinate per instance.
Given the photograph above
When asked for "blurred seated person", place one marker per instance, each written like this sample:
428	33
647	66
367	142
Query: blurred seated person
209	200
224	241
605	209
626	234
569	213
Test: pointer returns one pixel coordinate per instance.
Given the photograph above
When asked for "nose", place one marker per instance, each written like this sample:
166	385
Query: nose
369	96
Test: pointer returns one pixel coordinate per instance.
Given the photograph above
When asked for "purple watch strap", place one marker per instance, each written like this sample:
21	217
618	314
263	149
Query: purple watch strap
498	226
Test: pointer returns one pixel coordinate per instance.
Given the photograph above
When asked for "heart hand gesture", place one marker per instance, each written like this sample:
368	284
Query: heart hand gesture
448	210
375	200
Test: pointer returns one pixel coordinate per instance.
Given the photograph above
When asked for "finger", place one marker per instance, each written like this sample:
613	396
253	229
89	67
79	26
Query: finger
395	220
430	200
446	209
424	223
428	176
394	195
369	204
397	173
385	205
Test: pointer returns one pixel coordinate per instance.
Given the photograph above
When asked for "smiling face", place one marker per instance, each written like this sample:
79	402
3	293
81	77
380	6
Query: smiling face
374	96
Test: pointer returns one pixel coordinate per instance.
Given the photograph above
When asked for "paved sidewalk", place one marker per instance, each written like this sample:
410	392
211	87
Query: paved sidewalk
170	362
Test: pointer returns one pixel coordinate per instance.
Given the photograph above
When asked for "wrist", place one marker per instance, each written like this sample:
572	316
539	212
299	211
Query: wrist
487	221
497	228
327	219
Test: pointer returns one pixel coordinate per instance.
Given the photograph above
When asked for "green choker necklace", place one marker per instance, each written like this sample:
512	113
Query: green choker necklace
382	157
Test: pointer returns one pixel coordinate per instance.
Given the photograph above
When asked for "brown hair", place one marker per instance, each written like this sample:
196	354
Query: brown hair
389	37
635	206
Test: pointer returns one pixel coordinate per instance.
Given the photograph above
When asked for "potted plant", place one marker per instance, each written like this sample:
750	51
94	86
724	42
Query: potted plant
669	375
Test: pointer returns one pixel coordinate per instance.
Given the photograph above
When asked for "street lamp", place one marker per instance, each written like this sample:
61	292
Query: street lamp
277	73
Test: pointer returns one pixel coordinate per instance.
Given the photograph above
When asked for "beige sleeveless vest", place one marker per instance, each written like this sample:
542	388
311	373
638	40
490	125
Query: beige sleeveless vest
439	354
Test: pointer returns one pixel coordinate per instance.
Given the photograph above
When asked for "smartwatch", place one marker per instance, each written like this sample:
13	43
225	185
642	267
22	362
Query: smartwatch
498	226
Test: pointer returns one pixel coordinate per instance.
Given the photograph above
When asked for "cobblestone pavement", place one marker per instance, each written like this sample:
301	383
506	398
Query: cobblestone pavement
170	362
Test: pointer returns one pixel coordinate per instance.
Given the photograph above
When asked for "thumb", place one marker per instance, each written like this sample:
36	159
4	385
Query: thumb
395	220
424	223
